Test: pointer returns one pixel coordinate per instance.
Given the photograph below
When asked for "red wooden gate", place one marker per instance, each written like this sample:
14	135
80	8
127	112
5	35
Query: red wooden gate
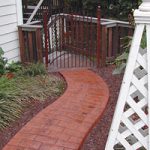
72	40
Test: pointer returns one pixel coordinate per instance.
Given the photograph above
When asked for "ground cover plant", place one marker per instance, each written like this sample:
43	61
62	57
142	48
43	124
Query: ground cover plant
22	88
16	94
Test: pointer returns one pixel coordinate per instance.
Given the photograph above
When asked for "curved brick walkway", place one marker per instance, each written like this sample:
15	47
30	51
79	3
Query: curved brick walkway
64	124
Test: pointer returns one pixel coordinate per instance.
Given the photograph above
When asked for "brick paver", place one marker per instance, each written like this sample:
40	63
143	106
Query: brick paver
64	124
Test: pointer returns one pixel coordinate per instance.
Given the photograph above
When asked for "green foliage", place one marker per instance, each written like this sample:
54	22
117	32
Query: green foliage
121	60
90	5
118	9
121	9
33	69
120	63
1	52
6	67
31	82
14	67
3	62
10	108
17	94
126	43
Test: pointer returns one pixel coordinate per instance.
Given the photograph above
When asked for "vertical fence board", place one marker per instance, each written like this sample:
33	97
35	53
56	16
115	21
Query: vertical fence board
115	41
98	36
39	45
30	41
22	44
104	46
110	42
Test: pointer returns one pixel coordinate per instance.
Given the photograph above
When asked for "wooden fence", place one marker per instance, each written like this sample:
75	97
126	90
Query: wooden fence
30	38
32	42
112	33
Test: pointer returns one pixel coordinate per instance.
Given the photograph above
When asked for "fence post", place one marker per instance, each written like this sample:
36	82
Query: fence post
45	23
22	45
98	36
104	45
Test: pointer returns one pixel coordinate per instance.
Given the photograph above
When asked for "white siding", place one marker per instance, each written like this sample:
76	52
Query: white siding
10	18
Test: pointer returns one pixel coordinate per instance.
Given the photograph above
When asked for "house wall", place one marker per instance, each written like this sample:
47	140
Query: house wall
10	18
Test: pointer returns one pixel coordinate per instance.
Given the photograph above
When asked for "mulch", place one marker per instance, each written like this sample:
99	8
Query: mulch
97	138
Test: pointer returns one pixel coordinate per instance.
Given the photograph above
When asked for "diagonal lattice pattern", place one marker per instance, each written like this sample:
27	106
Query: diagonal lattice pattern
133	129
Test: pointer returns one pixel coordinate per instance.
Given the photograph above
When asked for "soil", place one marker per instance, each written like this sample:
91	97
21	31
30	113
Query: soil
35	107
97	138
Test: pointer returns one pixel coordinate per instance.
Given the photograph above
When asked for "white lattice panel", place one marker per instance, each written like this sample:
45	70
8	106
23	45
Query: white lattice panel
133	128
130	126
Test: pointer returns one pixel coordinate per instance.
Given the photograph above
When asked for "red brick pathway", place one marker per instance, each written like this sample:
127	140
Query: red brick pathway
64	124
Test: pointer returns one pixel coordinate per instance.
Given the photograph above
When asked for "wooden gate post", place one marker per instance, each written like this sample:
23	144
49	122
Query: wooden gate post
98	36
130	128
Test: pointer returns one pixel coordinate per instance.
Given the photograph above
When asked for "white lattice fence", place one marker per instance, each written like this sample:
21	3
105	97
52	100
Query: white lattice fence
130	126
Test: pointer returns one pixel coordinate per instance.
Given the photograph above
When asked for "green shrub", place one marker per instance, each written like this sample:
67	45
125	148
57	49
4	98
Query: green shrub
14	67
10	107
3	62
31	81
121	60
17	93
34	69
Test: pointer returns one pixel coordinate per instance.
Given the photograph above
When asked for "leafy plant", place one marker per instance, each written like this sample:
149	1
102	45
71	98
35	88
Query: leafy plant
33	69
121	60
18	93
111	9
10	108
3	62
14	67
6	67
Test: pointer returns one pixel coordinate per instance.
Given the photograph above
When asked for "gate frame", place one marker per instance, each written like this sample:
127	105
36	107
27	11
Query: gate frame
48	46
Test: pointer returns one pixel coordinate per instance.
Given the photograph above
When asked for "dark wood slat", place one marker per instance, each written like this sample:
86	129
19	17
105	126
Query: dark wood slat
110	42
115	41
104	46
98	36
30	40
22	44
39	45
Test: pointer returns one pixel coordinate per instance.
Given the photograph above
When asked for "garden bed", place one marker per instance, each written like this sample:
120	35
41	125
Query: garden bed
25	89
